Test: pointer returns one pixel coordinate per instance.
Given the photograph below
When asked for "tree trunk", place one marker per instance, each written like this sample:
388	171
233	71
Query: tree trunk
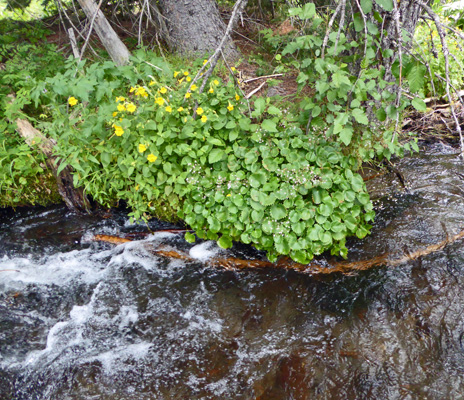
195	27
113	45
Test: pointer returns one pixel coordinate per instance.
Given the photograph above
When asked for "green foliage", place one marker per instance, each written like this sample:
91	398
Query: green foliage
429	48
130	134
24	177
348	106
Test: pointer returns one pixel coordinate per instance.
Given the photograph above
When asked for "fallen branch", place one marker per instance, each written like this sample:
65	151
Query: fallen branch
255	90
262	77
313	268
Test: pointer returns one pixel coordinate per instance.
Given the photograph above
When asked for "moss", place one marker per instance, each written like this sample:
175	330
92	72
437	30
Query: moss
40	190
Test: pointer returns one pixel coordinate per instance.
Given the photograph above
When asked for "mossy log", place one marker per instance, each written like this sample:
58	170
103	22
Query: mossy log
75	198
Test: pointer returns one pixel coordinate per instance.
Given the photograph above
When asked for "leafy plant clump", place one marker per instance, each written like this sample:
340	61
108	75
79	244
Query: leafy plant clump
284	182
137	134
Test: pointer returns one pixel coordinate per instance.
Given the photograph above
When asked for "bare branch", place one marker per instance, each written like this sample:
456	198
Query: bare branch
445	49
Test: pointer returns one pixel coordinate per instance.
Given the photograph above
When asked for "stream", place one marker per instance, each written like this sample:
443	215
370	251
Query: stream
86	320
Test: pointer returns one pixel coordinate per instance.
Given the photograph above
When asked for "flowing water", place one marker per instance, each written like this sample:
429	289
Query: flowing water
83	320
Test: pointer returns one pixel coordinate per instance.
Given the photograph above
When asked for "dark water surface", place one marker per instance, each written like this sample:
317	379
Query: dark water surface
80	320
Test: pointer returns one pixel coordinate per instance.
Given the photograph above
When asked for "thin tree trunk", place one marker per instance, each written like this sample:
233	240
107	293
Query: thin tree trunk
195	27
113	45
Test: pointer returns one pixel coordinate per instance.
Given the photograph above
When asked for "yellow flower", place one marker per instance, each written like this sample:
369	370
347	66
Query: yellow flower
115	113
152	158
194	87
152	83
237	97
187	95
230	107
137	188
233	69
180	109
200	111
72	101
211	90
176	73
168	109
204	62
163	90
121	107
118	131
180	80
131	107
229	195
204	118
120	98
216	82
142	148
132	89
140	91
188	79
159	101
186	73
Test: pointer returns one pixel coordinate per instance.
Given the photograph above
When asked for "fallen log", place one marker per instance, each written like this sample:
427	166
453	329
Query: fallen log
75	198
313	268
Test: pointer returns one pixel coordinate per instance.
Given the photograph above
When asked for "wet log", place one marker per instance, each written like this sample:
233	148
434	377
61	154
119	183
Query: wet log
344	267
75	198
313	268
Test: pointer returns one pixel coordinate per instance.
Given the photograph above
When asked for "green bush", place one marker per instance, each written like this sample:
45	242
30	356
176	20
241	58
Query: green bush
24	176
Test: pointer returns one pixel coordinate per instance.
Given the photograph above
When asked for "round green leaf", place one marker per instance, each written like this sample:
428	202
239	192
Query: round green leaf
278	211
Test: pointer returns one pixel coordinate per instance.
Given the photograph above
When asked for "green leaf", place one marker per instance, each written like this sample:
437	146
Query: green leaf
364	198
308	11
244	124
366	6
358	22
216	155
282	247
273	110
269	125
317	196
105	158
316	111
256	180
387	5
419	104
416	77
381	114
325	209
339	78
190	237
360	116
278	211
225	242
346	134
260	104
350	222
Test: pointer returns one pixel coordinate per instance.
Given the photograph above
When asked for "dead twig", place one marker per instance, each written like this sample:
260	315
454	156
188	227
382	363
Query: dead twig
255	90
